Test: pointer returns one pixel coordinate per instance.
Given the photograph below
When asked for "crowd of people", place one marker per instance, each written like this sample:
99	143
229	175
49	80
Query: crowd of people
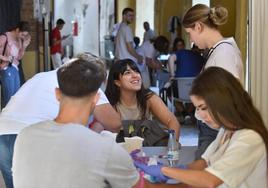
53	140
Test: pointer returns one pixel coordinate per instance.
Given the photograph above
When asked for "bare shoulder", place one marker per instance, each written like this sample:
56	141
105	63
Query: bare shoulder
154	100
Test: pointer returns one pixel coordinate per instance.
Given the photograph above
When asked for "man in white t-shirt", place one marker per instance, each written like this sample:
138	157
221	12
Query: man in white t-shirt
148	52
63	152
124	44
149	33
34	102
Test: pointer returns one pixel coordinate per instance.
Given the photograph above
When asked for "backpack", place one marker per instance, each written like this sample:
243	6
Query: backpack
150	130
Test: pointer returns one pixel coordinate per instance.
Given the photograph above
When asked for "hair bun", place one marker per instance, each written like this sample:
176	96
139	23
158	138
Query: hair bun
218	15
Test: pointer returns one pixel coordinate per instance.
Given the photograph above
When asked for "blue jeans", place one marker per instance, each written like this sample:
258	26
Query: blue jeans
205	137
6	155
10	81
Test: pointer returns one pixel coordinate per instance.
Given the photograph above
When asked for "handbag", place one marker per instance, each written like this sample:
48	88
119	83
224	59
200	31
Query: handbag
150	130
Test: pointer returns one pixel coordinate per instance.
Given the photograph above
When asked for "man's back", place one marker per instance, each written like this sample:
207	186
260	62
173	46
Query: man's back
72	156
34	102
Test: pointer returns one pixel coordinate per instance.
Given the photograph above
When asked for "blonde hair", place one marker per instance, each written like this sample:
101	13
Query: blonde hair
211	17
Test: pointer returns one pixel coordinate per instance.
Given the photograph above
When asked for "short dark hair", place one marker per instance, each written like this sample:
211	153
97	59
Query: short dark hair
23	26
146	23
136	41
81	76
161	44
126	10
60	22
176	41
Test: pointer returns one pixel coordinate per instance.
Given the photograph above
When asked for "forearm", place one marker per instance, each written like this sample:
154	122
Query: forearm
175	125
21	53
108	117
4	58
56	41
164	185
197	165
196	178
171	65
154	64
132	51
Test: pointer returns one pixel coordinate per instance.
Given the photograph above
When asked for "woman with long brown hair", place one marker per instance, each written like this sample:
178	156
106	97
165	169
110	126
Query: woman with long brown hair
238	156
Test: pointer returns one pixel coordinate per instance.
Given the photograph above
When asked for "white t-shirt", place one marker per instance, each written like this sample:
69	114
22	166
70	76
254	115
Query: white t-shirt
146	50
124	35
35	101
52	155
240	162
227	56
148	35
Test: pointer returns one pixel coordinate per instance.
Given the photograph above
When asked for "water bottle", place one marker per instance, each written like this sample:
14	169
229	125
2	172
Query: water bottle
172	149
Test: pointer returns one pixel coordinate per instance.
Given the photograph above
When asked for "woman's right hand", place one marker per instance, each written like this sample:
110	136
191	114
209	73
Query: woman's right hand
5	58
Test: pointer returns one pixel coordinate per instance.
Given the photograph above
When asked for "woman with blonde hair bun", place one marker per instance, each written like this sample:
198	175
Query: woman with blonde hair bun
201	23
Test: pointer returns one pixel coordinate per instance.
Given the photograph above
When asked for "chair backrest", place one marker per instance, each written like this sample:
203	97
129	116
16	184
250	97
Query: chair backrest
184	86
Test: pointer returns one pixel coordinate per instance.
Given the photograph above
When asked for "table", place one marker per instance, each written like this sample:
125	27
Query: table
186	156
186	153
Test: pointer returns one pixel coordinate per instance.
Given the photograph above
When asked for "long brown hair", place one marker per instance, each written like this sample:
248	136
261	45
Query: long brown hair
227	101
212	17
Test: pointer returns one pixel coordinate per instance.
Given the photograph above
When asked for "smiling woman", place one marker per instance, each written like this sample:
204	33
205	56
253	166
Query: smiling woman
127	95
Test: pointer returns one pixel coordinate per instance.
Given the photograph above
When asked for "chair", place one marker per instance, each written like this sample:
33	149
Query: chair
184	85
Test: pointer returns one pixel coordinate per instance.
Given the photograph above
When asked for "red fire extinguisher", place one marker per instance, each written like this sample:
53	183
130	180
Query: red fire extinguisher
75	28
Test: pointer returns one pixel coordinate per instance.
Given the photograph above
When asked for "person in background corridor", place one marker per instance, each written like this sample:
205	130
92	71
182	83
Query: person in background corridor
12	47
124	44
148	33
201	23
56	48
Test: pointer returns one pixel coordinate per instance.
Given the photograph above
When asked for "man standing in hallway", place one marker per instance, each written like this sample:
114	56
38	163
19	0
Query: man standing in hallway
56	48
149	33
124	44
